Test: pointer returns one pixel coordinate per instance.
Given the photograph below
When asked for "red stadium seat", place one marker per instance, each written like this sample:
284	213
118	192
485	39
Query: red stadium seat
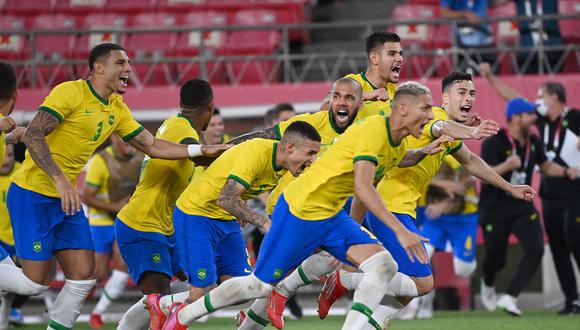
55	48
415	36
84	44
253	42
12	45
424	2
570	28
78	7
27	7
129	6
180	6
505	33
188	45
153	46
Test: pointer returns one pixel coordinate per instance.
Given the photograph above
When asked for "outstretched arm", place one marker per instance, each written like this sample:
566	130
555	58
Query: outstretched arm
505	90
414	156
41	125
266	133
459	131
158	148
476	166
231	201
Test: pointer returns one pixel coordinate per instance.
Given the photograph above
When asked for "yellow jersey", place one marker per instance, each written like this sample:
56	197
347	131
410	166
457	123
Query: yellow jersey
322	190
2	144
470	194
323	122
98	178
86	121
6	234
150	208
371	108
401	188
251	163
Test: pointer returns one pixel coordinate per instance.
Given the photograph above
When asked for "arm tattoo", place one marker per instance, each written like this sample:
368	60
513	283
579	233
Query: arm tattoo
41	125
142	139
412	157
266	133
229	199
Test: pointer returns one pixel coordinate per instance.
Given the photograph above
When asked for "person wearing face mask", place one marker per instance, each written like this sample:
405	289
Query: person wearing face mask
559	128
111	177
513	154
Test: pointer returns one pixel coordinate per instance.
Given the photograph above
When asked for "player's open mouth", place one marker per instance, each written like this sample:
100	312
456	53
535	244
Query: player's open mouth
302	168
124	80
396	70
464	110
342	116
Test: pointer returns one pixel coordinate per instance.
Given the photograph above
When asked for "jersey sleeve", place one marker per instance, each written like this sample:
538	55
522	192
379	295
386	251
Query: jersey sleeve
127	127
97	172
244	172
62	100
370	140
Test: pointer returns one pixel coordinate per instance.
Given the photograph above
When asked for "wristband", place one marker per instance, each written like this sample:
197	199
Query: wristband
194	150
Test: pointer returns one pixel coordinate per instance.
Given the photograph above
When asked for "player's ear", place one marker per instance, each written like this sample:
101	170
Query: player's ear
445	97
374	57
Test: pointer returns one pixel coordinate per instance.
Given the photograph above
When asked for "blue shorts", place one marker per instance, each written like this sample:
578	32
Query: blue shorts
210	248
103	238
347	205
291	240
391	243
460	230
147	251
40	226
7	250
420	216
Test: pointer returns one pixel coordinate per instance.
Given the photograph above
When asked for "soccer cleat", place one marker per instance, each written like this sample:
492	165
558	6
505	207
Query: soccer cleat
331	292
156	316
275	308
509	304
571	309
488	296
172	322
96	322
240	318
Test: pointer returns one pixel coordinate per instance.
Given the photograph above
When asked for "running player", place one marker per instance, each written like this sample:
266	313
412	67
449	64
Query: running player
44	205
313	204
111	177
144	227
209	240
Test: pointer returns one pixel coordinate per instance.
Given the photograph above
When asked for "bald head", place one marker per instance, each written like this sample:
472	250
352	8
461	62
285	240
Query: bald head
357	88
345	101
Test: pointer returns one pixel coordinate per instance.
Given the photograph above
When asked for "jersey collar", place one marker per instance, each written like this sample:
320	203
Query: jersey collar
102	100
333	124
391	141
180	115
274	152
364	76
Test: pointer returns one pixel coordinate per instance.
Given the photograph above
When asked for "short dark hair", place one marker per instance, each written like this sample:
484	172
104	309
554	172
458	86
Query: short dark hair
100	51
377	39
275	111
304	130
195	93
7	81
556	88
216	112
454	77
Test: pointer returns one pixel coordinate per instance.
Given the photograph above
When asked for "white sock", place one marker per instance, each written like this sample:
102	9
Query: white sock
311	269
462	268
14	280
135	318
378	271
400	286
383	314
68	303
112	290
7	261
257	316
230	292
5	311
166	301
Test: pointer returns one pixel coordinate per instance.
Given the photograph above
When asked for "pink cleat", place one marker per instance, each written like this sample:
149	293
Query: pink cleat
275	308
172	322
156	315
331	292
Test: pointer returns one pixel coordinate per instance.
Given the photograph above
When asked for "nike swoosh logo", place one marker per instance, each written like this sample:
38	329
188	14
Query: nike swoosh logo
247	271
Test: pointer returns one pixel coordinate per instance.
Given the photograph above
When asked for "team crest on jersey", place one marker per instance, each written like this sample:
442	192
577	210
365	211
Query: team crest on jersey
156	257
37	246
201	273
111	119
278	273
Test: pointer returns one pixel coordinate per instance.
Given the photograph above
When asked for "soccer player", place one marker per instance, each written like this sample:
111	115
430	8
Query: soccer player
144	227
44	206
313	204
379	81
214	133
111	177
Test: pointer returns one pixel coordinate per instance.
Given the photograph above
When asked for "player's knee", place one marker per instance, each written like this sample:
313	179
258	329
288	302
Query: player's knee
424	284
257	288
319	264
463	268
379	269
154	282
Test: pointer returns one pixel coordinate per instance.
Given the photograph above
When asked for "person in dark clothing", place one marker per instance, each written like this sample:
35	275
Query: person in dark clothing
513	153
558	126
